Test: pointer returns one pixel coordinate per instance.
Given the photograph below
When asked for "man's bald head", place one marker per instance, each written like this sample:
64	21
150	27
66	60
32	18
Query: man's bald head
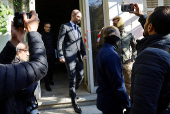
75	12
76	16
111	30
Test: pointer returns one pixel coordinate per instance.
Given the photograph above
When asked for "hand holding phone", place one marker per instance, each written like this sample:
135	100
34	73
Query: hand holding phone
137	11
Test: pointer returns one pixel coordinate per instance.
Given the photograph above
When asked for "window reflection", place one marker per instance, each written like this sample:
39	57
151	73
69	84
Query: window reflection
97	23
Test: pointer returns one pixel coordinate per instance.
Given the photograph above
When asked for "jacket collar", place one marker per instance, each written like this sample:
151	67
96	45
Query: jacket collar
17	60
109	46
72	24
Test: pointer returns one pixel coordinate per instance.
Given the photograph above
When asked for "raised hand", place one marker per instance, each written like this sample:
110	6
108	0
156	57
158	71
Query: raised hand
32	23
17	34
137	11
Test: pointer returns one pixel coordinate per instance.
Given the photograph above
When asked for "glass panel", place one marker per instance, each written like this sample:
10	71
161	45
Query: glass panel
97	23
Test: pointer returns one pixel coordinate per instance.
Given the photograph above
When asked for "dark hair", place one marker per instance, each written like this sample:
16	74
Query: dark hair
109	30
160	19
46	23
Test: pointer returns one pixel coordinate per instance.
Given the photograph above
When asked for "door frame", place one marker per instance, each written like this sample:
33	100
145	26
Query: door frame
88	64
84	6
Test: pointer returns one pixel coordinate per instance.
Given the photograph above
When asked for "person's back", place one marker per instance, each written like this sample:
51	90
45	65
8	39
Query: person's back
111	92
150	74
102	57
126	47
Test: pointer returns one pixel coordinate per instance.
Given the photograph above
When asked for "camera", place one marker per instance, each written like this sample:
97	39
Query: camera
18	19
127	7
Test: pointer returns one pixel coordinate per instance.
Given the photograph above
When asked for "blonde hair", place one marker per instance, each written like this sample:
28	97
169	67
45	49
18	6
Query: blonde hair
120	23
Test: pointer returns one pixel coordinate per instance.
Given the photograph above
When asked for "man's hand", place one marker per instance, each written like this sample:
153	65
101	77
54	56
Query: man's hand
33	23
62	60
17	34
137	11
85	57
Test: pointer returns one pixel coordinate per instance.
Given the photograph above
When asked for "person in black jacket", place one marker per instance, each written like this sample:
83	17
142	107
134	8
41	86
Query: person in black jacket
17	76
112	96
150	89
25	100
48	40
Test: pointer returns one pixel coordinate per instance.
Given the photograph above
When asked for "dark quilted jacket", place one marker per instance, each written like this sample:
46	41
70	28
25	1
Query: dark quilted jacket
15	77
150	81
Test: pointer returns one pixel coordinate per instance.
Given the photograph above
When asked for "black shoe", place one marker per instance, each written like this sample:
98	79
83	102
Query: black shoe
77	109
77	97
51	82
48	88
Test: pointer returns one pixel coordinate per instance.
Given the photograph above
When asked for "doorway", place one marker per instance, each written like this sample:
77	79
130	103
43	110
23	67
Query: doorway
57	13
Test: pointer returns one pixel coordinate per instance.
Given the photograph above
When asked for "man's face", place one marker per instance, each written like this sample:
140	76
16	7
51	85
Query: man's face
23	52
146	33
77	18
115	21
47	28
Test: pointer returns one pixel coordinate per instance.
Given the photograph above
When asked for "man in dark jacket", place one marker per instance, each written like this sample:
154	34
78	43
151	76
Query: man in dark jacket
48	40
150	73
112	96
126	50
15	77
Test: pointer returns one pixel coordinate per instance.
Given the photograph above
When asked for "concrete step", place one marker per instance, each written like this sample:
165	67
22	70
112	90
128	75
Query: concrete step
45	103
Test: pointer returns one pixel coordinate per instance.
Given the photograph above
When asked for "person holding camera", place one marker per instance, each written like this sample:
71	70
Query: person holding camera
112	96
25	99
126	50
150	79
17	76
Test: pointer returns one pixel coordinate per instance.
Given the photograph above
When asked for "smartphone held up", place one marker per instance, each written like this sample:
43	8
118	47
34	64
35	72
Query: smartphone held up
127	7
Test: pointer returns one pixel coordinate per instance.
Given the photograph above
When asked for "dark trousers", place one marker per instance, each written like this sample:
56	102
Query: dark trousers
76	75
49	76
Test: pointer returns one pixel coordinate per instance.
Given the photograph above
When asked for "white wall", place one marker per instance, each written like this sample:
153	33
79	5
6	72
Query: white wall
131	21
7	36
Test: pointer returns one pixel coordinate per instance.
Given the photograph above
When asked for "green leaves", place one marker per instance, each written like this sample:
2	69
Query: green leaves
16	3
4	13
3	30
3	7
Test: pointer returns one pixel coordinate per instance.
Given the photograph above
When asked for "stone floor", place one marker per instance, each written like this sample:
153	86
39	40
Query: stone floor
60	91
60	87
85	110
